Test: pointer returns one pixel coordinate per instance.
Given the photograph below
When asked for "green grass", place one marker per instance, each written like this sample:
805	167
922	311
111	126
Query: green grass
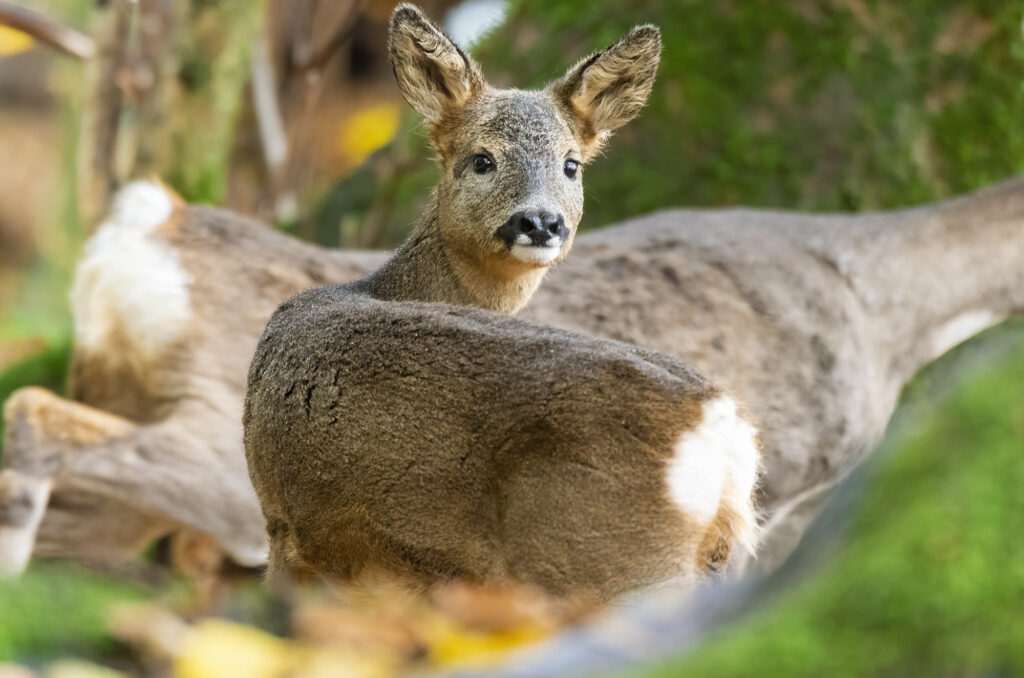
930	579
58	611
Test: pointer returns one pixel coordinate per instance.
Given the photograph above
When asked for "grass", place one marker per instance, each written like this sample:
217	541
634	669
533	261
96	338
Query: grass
58	610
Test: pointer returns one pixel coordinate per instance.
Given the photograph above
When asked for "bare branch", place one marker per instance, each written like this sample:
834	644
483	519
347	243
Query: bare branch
47	31
268	114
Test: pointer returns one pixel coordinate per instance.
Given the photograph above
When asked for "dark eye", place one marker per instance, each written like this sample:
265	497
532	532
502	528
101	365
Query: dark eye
482	164
571	168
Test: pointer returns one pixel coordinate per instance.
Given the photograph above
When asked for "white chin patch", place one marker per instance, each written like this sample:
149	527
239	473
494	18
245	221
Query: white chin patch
532	254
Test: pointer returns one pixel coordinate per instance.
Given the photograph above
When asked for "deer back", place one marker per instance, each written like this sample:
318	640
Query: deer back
440	441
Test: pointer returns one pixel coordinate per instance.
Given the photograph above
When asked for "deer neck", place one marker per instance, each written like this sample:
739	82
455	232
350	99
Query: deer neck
933	277
426	268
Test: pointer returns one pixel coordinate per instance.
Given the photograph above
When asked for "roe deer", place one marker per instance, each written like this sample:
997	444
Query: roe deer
814	322
389	426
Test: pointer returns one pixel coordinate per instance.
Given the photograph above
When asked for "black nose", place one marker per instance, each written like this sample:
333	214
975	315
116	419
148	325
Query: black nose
539	226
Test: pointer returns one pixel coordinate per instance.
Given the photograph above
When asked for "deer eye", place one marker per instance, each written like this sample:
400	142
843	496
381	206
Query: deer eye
482	164
571	168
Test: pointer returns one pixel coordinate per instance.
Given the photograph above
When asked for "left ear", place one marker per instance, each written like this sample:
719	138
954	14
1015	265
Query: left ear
607	89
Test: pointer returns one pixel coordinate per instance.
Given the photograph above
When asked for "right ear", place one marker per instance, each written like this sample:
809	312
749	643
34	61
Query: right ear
435	76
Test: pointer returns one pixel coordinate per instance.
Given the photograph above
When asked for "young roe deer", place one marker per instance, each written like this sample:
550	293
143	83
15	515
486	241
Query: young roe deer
399	424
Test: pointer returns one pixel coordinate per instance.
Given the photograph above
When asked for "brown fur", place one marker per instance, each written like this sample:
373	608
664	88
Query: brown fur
608	88
442	441
434	440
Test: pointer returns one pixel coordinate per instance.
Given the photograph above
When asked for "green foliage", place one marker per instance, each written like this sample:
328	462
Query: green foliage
55	611
931	577
812	105
213	73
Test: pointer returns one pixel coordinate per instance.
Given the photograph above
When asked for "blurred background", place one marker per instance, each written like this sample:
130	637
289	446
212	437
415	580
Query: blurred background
287	110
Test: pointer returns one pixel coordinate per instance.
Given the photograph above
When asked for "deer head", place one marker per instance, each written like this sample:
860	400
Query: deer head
511	190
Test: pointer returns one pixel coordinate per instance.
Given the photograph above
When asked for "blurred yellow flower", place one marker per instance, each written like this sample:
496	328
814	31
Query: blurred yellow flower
367	130
12	41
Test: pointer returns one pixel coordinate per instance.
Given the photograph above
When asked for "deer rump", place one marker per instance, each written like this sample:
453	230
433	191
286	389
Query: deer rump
435	441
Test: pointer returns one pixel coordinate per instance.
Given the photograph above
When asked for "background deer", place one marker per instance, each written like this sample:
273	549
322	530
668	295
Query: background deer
813	321
435	440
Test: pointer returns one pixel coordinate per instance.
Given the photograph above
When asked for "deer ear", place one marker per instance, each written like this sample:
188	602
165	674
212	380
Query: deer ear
435	76
607	89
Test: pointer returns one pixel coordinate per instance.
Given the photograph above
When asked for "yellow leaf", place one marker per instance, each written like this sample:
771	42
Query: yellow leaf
12	41
367	130
328	663
219	649
453	646
79	669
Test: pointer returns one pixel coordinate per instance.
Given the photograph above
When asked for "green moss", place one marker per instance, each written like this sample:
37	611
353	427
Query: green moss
58	611
811	105
930	579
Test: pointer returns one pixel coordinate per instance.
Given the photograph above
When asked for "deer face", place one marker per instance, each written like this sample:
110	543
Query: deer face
512	186
511	191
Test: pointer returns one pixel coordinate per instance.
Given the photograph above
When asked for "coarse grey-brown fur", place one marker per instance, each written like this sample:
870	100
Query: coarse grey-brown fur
389	426
435	441
815	322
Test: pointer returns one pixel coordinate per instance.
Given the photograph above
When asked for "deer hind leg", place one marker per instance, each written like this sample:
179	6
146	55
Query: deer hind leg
286	568
711	479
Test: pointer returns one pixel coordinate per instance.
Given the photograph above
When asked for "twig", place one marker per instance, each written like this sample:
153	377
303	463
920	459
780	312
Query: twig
316	58
273	137
47	31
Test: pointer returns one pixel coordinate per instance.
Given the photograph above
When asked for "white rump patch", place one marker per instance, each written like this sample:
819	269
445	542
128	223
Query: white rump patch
714	464
129	282
532	254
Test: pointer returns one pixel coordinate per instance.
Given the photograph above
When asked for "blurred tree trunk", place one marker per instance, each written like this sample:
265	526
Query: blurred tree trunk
163	95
